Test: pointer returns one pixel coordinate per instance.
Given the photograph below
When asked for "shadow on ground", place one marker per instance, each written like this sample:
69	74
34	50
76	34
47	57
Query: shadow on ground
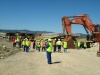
57	62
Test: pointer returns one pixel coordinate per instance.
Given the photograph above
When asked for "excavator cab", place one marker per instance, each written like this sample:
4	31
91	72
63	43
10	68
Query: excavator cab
94	37
96	33
97	28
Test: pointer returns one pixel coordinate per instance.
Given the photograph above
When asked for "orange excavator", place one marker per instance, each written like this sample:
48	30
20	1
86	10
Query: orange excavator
85	21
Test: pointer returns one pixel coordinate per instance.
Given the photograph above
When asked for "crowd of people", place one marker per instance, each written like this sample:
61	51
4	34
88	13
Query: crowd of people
48	45
40	44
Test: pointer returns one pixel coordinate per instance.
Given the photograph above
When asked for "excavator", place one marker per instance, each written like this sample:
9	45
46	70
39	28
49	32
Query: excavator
85	21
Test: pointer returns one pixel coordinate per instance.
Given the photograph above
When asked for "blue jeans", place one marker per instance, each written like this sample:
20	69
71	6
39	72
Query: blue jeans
27	48
54	48
48	57
38	49
24	47
65	50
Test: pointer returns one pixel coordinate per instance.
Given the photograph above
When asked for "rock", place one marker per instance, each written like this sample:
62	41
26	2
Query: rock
7	50
1	57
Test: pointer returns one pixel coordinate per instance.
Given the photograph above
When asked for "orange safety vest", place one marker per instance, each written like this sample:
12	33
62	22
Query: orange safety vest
54	42
43	44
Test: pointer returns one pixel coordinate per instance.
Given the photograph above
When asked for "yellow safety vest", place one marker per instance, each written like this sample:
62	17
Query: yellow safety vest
79	44
18	39
23	43
85	44
65	44
27	43
59	43
39	44
49	49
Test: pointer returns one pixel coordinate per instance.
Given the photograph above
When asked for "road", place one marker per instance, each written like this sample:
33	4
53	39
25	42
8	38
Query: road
74	62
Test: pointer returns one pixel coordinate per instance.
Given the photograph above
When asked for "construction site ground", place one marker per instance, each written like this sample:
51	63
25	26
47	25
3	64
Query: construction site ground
74	62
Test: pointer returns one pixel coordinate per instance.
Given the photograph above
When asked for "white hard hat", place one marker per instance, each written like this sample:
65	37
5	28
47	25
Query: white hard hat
49	39
58	39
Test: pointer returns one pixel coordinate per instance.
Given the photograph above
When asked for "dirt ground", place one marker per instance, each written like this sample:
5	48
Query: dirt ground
74	62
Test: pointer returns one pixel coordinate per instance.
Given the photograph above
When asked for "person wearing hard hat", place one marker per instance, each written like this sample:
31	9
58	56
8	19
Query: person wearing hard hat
18	40
85	45
49	48
24	44
65	46
59	44
38	46
27	45
78	44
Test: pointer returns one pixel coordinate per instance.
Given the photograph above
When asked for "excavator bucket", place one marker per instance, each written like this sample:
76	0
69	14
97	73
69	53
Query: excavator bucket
70	42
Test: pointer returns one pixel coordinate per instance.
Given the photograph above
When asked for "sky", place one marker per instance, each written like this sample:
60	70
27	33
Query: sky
45	15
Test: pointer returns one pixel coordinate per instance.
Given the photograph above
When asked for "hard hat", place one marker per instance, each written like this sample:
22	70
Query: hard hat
49	39
26	39
59	39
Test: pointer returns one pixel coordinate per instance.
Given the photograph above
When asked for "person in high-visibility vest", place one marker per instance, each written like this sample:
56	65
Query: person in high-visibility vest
18	41
85	45
24	44
65	46
78	44
36	42
75	43
27	45
49	48
59	44
38	46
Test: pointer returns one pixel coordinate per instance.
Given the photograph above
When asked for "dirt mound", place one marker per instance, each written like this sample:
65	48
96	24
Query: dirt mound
7	49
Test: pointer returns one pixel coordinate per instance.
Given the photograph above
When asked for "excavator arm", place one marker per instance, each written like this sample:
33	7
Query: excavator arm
66	25
82	20
87	24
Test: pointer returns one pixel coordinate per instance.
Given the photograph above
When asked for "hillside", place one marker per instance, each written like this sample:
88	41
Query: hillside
24	31
35	32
